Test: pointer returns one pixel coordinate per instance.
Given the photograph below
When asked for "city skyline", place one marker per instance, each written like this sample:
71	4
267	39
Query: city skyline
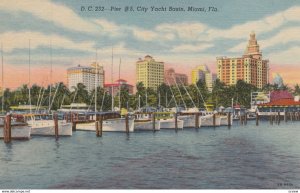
181	42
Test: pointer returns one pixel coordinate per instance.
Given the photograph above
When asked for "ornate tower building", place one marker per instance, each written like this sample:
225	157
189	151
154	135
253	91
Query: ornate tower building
250	67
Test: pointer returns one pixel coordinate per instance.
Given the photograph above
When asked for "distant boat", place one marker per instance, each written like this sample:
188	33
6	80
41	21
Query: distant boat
207	120
41	123
167	120
170	124
108	125
19	130
47	127
189	120
143	122
224	120
75	108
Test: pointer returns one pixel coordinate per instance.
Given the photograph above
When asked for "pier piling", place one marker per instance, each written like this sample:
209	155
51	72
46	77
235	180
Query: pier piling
285	116
72	117
73	126
127	123
7	129
229	119
278	118
197	120
100	125
97	128
241	119
153	122
176	124
245	119
55	125
271	119
214	120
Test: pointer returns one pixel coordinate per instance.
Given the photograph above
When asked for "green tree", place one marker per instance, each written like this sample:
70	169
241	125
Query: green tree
80	94
243	92
218	93
140	94
296	89
204	93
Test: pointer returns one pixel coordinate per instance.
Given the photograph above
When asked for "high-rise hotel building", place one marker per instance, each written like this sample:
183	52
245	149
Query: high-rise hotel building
250	67
201	72
87	75
150	72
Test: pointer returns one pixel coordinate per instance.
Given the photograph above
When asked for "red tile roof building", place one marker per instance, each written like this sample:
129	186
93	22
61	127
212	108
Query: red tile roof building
281	98
115	87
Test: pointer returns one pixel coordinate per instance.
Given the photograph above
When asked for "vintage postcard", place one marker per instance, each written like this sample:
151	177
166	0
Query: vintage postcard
129	94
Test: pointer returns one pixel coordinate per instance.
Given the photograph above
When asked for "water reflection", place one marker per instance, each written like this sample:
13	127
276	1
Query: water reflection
223	157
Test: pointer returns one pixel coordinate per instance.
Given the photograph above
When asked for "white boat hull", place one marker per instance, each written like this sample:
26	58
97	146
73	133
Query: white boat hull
18	132
47	128
170	124
207	121
224	120
146	125
109	125
189	121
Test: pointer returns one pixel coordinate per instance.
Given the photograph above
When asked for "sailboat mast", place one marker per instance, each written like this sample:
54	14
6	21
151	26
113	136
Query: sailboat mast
50	92
179	92
112	79
120	85
96	80
201	96
146	99
166	99
2	78
172	93
29	82
158	99
139	102
187	93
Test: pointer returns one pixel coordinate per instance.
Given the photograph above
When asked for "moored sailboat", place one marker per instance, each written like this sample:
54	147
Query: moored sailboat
19	130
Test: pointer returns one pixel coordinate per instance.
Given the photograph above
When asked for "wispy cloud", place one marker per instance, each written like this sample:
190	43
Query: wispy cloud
288	56
184	30
14	40
261	26
53	12
185	41
189	48
145	35
284	36
109	28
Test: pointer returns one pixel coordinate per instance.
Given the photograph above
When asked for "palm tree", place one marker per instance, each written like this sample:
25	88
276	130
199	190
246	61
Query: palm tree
201	84
141	92
217	92
296	89
21	95
243	92
124	97
62	96
80	94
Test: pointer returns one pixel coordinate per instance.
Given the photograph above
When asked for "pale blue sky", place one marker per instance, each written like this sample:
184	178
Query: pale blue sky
177	38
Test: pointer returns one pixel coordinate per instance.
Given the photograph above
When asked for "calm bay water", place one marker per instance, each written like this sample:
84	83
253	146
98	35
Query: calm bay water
240	157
